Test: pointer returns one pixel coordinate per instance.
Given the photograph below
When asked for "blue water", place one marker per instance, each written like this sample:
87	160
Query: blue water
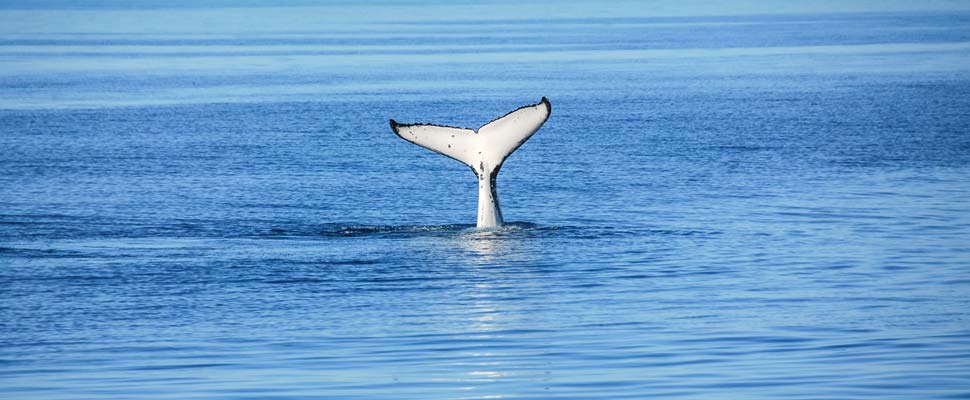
207	202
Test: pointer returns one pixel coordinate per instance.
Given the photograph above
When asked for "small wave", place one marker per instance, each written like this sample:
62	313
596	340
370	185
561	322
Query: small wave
39	253
292	281
390	230
510	229
354	230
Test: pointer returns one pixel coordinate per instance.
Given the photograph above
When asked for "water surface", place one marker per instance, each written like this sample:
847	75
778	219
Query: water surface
207	202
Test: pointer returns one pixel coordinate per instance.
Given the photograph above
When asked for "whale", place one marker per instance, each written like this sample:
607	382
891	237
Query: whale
484	150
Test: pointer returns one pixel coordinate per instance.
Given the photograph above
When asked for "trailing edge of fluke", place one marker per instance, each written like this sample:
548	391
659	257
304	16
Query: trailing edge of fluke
483	149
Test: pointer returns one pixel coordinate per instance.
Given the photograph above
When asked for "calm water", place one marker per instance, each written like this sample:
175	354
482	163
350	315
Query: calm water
207	202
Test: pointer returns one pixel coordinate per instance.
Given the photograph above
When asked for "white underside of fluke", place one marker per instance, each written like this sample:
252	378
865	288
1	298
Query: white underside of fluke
484	149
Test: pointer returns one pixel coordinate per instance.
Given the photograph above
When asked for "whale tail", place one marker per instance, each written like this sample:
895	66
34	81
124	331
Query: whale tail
483	149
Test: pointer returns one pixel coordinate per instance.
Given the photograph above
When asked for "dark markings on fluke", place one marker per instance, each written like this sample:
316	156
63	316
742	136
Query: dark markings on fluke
483	149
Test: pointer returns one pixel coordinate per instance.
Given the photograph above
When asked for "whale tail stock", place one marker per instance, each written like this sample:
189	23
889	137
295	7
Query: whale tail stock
483	149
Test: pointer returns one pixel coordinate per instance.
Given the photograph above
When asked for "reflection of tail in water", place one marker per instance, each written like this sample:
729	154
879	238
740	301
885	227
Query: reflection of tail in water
496	243
484	243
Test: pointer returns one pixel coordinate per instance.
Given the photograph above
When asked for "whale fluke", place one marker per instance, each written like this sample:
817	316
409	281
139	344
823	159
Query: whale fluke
484	149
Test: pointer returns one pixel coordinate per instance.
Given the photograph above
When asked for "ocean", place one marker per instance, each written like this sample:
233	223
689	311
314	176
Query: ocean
728	201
